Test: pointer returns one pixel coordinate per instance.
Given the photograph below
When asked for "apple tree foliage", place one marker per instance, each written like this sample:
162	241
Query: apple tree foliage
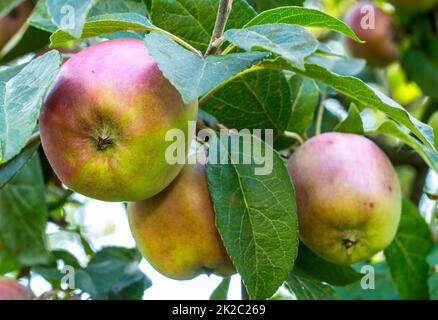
279	67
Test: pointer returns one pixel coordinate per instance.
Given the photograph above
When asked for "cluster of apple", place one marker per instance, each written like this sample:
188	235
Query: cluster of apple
102	129
103	126
379	30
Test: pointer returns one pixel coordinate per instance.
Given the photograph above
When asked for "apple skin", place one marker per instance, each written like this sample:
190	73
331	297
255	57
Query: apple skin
12	290
413	5
13	21
348	197
382	45
104	122
175	230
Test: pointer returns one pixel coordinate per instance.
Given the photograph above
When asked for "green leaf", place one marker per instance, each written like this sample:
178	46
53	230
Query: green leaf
343	66
51	275
41	18
305	17
353	122
305	97
392	129
255	212
193	20
310	265
9	169
20	101
130	287
221	291
66	257
108	269
106	24
113	24
191	74
113	273
8	261
432	259
119	6
293	43
363	93
69	15
423	70
23	215
257	100
433	286
8	5
406	256
32	40
384	288
262	5
309	289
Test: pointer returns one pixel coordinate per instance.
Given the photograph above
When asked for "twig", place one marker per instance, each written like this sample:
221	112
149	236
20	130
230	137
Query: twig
221	22
23	273
320	115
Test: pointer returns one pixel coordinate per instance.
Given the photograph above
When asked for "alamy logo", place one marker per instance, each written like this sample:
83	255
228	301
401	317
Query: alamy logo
68	281
69	17
368	21
368	281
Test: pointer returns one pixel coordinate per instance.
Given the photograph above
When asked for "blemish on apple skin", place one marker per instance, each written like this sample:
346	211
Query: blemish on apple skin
349	244
369	204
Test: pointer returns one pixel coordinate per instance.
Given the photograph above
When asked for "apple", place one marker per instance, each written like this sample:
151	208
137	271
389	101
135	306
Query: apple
13	21
12	290
348	197
377	29
104	122
175	230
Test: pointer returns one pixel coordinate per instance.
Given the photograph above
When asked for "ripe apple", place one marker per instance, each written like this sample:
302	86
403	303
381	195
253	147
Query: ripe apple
175	230
377	29
104	122
348	197
12	290
13	21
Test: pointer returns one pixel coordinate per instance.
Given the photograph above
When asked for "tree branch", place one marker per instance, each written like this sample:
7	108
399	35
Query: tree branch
221	22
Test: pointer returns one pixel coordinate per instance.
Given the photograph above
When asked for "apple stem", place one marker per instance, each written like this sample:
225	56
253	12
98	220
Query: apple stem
295	136
223	13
